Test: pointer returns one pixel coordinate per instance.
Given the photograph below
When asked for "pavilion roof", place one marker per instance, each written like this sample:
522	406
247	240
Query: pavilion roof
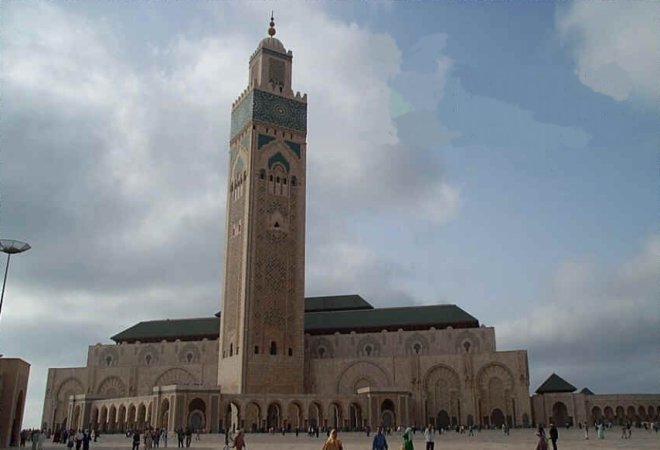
554	384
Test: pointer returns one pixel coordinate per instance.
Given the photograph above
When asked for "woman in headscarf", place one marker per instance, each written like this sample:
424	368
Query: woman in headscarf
408	439
333	443
239	440
542	443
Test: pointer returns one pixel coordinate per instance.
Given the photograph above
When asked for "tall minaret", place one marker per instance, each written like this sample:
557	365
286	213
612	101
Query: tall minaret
262	326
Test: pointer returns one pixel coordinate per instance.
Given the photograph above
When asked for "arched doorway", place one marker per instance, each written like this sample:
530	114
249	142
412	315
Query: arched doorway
273	416
112	419
104	418
387	415
559	414
94	418
314	415
497	417
355	420
442	420
141	416
641	413
294	415
164	414
131	416
76	417
232	417
197	414
596	414
525	419
121	418
252	416
335	416
631	414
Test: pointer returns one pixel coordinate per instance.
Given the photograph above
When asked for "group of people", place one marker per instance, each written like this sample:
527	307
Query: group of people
151	438
36	436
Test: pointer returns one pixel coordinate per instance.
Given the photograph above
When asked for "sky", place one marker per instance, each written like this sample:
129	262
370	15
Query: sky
501	156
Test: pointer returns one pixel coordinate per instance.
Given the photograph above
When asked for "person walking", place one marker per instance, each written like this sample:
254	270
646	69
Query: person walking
554	435
407	440
333	443
542	443
379	442
429	433
136	440
85	440
179	436
239	440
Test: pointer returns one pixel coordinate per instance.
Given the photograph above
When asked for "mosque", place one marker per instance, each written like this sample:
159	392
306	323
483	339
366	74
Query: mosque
273	358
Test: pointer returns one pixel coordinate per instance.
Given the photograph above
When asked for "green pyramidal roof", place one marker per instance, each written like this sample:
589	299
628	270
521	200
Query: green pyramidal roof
587	391
555	383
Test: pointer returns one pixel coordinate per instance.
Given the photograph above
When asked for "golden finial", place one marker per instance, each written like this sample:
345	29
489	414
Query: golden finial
271	30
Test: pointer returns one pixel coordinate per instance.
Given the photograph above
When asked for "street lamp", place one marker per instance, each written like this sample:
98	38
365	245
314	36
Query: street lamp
10	247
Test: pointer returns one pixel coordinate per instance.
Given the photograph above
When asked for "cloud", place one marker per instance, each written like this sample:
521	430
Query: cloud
115	160
615	46
591	316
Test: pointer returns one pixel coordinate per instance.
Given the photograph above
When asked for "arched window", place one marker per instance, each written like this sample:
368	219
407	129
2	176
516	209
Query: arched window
294	181
273	348
290	351
231	349
262	174
256	349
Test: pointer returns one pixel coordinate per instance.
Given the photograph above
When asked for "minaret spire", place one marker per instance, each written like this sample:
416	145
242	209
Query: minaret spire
271	30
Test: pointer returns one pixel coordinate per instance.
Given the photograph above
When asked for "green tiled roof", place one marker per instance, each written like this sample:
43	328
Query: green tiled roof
407	318
587	391
555	383
323	315
158	330
336	303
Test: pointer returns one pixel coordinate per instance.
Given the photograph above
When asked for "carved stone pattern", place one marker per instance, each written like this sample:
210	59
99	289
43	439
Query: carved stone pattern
189	349
175	376
145	352
275	275
70	386
233	273
108	352
494	370
112	387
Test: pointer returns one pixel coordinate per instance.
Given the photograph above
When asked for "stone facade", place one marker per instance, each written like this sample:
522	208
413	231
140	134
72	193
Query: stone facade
574	408
14	374
269	367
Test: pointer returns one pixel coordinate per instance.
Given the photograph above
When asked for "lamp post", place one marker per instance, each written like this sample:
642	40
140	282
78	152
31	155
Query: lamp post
10	247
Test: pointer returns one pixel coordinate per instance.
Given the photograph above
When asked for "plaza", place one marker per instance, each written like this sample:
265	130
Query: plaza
519	439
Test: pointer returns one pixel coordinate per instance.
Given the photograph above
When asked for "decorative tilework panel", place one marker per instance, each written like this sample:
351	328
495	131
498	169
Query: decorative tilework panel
278	158
278	110
269	108
294	146
263	140
242	114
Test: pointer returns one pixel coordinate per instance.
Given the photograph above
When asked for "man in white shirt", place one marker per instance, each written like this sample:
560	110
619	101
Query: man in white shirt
429	433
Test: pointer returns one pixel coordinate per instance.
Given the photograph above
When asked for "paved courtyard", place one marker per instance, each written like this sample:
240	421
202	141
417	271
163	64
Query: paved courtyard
486	440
